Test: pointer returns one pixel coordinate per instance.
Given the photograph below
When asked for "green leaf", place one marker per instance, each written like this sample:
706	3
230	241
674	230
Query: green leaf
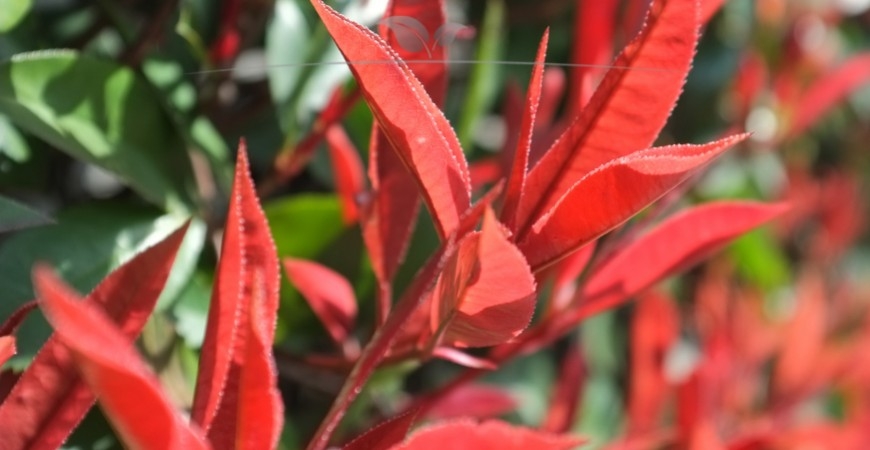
13	12
484	84
100	112
288	29
760	260
303	225
15	216
85	245
12	143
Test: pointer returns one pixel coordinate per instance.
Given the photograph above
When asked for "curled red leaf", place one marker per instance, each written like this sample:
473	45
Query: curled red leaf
328	293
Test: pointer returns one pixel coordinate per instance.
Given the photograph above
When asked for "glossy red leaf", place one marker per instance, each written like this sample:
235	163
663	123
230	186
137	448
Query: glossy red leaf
385	434
7	348
478	401
129	393
485	295
416	128
627	110
395	199
654	329
49	400
230	365
347	169
829	90
489	435
328	293
517	177
610	195
676	244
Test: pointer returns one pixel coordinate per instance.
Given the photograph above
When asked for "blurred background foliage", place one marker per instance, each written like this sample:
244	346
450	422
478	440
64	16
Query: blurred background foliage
118	120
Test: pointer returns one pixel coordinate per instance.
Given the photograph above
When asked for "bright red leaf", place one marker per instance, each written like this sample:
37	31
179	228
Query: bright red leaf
231	367
485	295
489	435
7	348
49	400
654	328
627	110
129	393
328	293
594	24
676	244
829	90
517	178
412	122
348	171
610	195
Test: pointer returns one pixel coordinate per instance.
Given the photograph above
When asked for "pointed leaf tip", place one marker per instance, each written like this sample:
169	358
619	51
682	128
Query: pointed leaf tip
247	273
35	417
129	393
610	195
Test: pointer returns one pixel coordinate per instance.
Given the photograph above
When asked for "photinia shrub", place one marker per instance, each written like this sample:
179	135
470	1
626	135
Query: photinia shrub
580	213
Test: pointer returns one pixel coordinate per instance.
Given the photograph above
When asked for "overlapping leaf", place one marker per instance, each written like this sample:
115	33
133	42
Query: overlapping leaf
485	295
348	171
236	361
517	179
396	201
610	195
416	128
129	393
47	402
626	112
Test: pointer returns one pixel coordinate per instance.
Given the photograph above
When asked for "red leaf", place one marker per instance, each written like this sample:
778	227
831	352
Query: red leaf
489	435
797	367
594	24
478	401
347	169
430	15
260	408
129	393
7	348
677	243
385	434
654	328
830	90
49	400
567	271
329	294
565	397
517	178
10	326
247	273
709	8
396	202
413	124
610	195
626	112
463	359
485	295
